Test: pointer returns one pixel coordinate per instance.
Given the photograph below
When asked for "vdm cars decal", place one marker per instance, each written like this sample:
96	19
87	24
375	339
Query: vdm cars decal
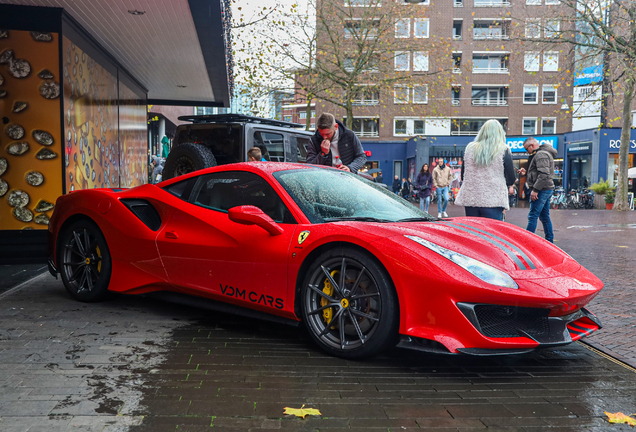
252	296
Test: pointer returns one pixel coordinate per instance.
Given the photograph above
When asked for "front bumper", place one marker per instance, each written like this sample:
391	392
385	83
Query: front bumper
532	327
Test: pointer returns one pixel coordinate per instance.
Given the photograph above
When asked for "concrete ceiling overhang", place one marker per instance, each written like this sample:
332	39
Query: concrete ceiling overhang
176	49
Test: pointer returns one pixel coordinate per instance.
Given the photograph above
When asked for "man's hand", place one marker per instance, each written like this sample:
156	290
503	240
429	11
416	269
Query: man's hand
344	168
511	190
534	196
521	171
325	146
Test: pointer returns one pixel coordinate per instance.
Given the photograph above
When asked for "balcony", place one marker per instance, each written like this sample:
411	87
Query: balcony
492	3
492	102
457	70
464	133
367	134
458	3
491	70
362	102
456	102
490	36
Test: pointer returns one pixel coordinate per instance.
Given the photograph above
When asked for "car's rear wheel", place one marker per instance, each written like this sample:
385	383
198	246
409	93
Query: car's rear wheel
84	262
349	305
186	158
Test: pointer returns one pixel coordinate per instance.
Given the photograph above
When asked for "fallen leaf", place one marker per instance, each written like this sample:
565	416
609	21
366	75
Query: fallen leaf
302	411
619	417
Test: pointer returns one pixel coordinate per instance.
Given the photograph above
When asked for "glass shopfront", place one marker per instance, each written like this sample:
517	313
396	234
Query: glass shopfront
579	165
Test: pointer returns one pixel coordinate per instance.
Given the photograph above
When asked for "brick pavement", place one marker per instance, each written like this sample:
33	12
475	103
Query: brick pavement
135	364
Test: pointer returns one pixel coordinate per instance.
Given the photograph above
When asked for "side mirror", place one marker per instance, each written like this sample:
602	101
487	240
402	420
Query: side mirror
251	215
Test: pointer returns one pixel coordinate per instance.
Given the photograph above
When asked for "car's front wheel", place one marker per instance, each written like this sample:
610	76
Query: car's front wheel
186	158
84	261
349	305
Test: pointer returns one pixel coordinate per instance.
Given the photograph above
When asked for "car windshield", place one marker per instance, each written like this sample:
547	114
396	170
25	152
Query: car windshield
330	195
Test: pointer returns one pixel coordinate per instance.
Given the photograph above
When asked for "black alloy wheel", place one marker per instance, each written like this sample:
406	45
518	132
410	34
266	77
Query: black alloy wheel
84	262
349	305
186	158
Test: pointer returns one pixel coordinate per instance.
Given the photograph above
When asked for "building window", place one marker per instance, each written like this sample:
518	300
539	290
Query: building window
421	27
490	63
410	127
420	2
549	94
551	61
403	28
491	3
552	28
552	2
457	29
456	97
457	62
420	94
533	2
420	61
529	126
364	127
366	95
548	126
533	27
530	94
401	94
531	62
313	114
303	115
402	61
471	126
484	96
484	29
287	118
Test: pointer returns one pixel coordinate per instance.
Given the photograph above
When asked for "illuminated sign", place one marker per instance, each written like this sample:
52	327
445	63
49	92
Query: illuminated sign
516	143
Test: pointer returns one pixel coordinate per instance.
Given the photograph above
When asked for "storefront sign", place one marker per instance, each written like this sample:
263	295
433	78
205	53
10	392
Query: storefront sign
579	148
616	144
589	75
516	143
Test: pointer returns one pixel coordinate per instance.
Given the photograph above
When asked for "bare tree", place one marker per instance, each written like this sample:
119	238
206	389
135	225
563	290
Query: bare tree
601	32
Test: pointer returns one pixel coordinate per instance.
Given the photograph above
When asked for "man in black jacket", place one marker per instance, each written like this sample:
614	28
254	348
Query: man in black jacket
335	145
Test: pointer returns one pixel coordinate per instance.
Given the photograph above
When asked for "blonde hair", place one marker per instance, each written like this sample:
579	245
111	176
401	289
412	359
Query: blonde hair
490	142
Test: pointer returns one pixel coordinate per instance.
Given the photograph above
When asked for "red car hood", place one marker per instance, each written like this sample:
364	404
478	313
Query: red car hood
504	246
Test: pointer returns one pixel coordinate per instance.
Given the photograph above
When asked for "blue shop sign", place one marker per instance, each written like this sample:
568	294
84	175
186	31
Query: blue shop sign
588	75
516	143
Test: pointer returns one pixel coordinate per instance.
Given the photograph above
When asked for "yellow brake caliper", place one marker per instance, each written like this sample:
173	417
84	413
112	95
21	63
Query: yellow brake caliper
99	257
327	314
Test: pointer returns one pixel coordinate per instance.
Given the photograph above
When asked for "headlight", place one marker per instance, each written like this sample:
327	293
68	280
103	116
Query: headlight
481	270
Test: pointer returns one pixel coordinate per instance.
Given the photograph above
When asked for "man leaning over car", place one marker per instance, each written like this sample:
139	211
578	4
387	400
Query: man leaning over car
332	143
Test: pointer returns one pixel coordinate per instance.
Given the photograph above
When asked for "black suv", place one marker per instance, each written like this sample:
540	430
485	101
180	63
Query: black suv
225	138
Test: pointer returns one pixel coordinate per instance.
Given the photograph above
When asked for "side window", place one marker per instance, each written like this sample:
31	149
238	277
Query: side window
222	191
181	189
271	145
303	143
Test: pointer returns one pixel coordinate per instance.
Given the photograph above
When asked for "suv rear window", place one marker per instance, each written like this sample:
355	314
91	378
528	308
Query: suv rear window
224	140
271	145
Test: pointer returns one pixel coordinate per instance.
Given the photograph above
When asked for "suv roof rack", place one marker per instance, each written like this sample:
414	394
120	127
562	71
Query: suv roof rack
229	118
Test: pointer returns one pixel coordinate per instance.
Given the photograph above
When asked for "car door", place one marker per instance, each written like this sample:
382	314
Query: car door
203	251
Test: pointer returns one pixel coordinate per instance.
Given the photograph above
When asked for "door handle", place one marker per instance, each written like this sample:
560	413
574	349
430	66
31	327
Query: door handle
172	235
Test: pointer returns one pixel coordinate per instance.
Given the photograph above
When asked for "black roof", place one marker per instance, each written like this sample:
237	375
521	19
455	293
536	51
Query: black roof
238	118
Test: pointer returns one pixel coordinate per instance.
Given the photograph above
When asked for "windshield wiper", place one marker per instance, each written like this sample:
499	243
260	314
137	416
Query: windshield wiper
356	218
419	219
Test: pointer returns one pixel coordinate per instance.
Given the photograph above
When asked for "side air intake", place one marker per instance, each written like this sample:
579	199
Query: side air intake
144	211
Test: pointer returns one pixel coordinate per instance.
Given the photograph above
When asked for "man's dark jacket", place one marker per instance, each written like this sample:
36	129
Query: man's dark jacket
349	146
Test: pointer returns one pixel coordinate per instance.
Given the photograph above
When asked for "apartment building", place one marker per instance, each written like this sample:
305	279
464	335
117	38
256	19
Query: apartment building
527	87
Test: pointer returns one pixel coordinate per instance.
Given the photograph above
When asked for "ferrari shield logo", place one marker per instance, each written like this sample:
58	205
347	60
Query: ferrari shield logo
303	236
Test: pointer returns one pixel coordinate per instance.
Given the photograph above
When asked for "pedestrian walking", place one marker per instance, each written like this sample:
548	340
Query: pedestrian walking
423	184
488	174
379	178
442	178
396	185
157	170
540	182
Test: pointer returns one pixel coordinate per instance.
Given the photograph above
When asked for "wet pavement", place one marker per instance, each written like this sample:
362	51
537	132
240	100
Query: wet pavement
137	364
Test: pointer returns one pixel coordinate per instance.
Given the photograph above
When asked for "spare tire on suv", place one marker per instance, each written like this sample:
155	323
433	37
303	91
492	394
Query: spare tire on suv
186	158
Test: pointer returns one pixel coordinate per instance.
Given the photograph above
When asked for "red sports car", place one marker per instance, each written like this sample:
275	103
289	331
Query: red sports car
359	266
